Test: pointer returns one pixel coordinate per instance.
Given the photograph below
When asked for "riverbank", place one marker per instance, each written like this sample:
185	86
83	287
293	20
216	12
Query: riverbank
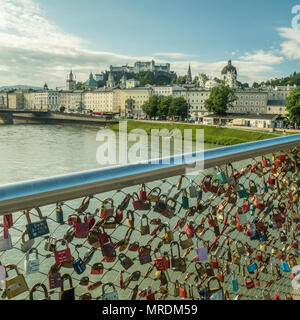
213	135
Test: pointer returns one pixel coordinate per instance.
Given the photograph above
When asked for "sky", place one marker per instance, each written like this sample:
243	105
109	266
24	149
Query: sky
41	40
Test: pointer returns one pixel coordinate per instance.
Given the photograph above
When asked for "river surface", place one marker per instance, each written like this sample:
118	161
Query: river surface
36	151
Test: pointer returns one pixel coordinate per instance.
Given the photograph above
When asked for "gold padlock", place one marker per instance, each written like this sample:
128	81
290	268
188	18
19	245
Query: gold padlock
168	236
187	243
263	246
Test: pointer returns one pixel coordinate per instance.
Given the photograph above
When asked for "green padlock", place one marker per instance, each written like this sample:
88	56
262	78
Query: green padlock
242	192
222	177
185	200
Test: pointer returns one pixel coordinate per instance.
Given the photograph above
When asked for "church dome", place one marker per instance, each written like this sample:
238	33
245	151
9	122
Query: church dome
229	68
91	82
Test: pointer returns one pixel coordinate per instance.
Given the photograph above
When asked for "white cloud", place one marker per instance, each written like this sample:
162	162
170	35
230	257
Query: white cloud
173	55
290	46
262	57
34	50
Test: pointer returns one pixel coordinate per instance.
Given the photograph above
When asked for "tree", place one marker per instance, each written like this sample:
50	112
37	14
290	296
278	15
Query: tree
195	80
220	99
164	106
80	85
151	106
293	105
179	108
255	85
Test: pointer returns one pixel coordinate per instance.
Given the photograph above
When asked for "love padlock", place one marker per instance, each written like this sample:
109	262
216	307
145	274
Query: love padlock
78	264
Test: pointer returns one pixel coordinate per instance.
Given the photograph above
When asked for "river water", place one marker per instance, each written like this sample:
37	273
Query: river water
34	151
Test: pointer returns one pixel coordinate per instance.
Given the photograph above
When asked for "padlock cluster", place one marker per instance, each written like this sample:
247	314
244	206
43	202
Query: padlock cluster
235	226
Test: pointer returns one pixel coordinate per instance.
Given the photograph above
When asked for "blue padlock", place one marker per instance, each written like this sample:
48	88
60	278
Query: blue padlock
78	264
202	293
285	267
235	284
252	267
264	238
252	209
256	235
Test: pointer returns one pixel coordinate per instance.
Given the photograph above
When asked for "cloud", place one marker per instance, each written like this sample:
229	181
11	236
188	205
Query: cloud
173	55
34	50
290	46
262	57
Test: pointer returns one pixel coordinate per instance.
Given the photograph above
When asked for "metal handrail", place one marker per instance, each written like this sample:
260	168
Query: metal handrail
41	192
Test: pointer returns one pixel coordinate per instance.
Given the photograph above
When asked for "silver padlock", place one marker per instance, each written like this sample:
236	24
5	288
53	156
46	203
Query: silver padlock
192	190
31	265
113	295
50	244
26	244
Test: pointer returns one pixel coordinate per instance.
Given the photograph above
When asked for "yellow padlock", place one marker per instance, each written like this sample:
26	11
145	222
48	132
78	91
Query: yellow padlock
262	246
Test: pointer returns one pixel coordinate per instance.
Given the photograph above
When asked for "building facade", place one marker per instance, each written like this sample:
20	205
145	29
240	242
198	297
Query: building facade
65	99
132	101
100	100
15	100
196	98
253	101
46	100
29	99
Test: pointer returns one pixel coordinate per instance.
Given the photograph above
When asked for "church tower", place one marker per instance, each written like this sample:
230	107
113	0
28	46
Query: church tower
189	78
70	83
110	83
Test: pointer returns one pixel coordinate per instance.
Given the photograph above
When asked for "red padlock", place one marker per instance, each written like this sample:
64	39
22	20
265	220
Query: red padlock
64	255
249	284
90	220
246	207
271	181
81	228
8	220
143	193
150	295
276	296
161	263
189	229
182	291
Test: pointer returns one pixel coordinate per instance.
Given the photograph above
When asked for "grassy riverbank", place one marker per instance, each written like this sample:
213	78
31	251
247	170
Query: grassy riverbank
214	135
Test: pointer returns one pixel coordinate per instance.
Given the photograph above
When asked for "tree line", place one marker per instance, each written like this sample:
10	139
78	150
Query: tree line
166	106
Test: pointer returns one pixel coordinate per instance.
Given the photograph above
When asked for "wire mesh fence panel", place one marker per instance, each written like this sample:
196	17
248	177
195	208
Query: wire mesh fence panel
225	233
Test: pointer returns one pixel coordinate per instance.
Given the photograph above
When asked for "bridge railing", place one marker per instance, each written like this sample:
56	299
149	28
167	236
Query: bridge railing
237	221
